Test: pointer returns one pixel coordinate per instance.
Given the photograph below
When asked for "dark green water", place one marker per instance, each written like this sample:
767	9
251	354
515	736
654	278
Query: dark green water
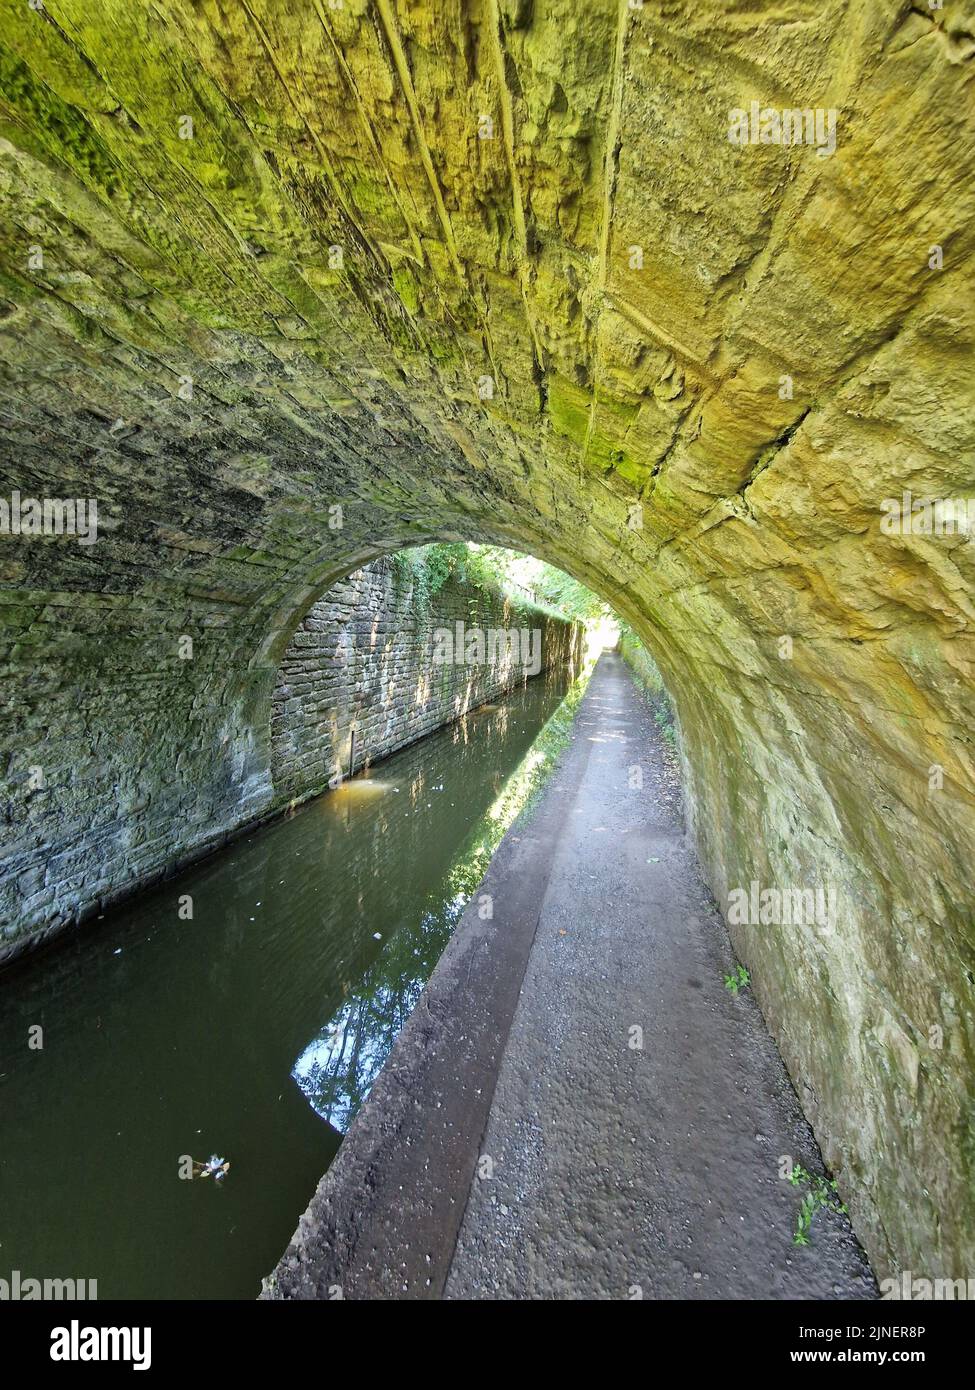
253	1031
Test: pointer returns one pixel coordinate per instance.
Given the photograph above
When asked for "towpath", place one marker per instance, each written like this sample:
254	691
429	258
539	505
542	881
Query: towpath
578	1107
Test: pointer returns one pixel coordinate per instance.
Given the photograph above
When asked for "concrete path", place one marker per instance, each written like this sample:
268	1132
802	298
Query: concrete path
620	1172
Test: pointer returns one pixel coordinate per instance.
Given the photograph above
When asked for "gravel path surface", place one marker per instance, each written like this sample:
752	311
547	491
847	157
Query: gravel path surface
621	1172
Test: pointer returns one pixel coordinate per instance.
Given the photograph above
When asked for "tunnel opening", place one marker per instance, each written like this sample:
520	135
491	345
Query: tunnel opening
413	641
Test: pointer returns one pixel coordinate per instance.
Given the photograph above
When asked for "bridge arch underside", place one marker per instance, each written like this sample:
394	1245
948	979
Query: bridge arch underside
704	433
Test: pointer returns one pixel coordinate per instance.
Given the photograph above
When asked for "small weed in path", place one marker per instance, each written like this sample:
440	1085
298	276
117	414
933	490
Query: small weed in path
738	979
821	1194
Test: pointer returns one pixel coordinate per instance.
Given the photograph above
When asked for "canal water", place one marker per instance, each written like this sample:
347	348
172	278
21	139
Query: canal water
252	1030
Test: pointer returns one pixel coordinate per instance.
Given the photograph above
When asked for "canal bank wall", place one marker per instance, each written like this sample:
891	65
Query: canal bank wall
125	815
380	659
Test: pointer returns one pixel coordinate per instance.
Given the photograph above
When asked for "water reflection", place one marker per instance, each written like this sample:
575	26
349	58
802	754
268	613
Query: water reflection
337	1068
253	1030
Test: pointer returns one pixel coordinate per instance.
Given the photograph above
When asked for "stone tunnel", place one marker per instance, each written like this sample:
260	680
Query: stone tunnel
288	286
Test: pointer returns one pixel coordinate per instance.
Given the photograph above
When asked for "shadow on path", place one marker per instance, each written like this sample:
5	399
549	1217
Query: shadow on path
619	1170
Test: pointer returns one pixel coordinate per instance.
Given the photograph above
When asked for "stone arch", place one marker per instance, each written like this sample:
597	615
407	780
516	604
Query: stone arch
785	354
280	615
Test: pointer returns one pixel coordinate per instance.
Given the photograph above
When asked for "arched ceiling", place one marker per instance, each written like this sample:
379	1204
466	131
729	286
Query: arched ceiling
496	270
203	264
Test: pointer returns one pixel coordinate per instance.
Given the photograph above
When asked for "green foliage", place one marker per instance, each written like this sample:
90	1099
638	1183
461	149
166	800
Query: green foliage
820	1196
426	568
643	666
492	569
663	717
442	562
804	1220
560	591
738	979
